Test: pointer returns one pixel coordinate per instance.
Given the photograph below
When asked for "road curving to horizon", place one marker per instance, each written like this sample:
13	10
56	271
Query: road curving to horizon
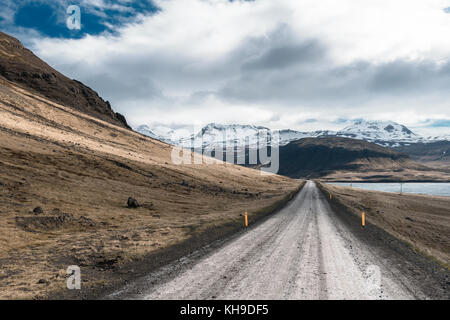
305	251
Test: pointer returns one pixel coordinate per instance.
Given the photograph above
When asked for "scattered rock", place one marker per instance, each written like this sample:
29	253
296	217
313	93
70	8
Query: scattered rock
107	263
149	206
38	210
185	184
136	237
43	281
409	219
86	222
156	216
132	203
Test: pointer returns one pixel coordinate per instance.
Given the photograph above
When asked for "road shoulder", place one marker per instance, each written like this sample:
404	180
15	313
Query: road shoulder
416	268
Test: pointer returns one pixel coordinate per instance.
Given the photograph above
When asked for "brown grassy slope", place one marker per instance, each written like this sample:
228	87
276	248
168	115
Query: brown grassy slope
81	171
421	220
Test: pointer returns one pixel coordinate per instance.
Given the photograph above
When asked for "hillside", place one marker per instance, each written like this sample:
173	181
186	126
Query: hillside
435	151
435	154
19	65
80	171
337	158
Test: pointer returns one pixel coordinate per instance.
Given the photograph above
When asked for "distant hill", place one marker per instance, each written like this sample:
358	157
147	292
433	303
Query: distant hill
338	158
435	154
20	66
435	151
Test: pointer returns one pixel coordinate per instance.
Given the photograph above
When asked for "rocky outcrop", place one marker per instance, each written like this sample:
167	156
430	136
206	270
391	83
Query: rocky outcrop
21	66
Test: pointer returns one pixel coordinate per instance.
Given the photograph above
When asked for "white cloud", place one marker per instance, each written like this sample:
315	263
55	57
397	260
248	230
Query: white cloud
189	63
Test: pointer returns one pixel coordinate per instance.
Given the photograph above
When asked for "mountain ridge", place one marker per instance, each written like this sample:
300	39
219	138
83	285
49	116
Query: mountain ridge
384	133
22	67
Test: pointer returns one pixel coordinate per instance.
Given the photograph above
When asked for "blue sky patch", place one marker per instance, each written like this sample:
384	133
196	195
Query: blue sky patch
440	124
49	17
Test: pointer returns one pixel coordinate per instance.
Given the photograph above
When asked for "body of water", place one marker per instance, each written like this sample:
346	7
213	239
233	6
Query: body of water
430	188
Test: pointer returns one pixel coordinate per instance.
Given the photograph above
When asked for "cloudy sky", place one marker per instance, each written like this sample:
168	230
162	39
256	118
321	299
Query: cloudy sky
299	64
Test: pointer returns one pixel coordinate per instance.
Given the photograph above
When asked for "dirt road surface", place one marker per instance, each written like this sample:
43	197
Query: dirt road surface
305	251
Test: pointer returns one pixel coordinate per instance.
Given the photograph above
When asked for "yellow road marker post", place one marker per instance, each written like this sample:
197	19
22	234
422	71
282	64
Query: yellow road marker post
330	196
246	219
363	216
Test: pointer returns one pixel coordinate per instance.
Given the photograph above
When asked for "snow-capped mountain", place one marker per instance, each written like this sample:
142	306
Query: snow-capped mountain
228	135
289	135
385	133
145	130
215	134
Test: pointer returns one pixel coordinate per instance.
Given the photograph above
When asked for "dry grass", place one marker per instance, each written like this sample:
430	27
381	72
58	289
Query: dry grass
420	220
75	166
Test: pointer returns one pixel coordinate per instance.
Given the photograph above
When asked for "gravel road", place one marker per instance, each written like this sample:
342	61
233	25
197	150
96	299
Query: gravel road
303	252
